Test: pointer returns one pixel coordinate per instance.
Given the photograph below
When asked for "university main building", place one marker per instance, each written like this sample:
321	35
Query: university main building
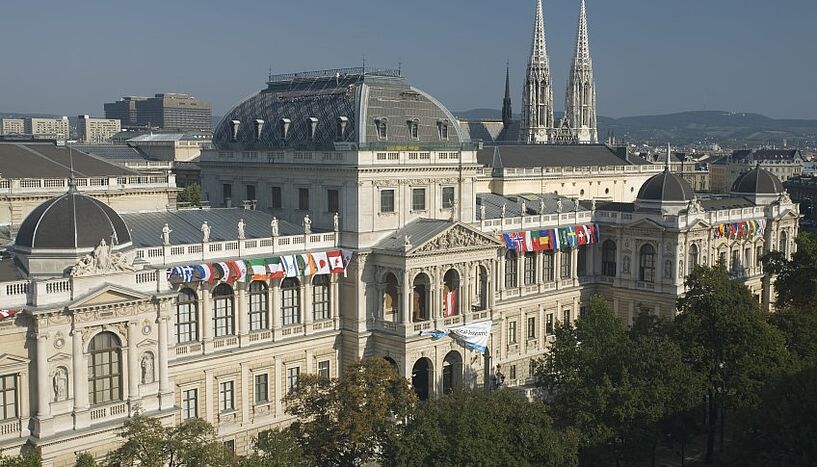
351	211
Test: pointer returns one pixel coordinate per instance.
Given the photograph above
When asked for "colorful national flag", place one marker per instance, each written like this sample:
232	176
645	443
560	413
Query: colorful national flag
451	303
335	261
5	313
202	272
553	236
581	234
321	262
242	268
509	243
290	266
258	269
275	267
347	258
527	241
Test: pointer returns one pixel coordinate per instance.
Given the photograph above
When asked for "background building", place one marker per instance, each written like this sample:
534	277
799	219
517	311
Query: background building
784	163
181	147
12	126
166	111
96	130
124	110
48	128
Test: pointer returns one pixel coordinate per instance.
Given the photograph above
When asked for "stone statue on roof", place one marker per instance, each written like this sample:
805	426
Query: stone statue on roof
307	225
559	205
336	222
482	212
205	232
166	234
274	226
241	226
541	206
504	207
524	209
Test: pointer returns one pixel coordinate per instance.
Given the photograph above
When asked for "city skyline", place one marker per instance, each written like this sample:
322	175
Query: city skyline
649	59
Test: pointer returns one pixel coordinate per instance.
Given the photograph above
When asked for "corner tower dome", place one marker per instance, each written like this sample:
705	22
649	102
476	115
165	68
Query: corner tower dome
72	221
757	181
665	187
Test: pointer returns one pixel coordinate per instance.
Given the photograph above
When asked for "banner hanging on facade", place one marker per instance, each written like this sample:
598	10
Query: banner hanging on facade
474	336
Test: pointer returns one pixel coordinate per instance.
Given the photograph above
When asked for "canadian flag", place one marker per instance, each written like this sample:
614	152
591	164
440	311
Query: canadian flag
335	260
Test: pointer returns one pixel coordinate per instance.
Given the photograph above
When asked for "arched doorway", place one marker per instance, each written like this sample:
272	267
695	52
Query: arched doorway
452	371
421	378
482	292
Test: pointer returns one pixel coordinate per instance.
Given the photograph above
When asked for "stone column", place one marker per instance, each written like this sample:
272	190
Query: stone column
574	261
80	369
334	299
500	276
275	305
557	268
243	310
206	318
133	363
43	385
306	303
405	300
277	385
164	384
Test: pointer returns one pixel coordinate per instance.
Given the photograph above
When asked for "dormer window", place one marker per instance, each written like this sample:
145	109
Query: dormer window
381	126
234	129
312	127
284	125
340	132
259	126
413	128
442	129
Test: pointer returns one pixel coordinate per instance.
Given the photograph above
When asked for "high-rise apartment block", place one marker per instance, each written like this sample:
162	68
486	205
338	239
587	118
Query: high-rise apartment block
48	128
12	126
169	111
97	130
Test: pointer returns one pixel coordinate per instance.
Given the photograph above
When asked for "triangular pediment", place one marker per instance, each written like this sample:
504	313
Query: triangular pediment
147	343
456	237
646	224
8	361
700	223
109	294
60	357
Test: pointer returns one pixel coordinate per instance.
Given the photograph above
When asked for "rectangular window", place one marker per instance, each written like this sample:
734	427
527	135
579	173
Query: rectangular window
529	268
190	404
226	400
567	316
187	322
512	332
291	306
258	309
333	201
250	192
292	378
320	301
386	200
531	327
549	324
8	393
261	388
227	191
323	369
547	265
758	255
564	267
448	197
276	200
512	372
303	199
418	199
223	317
229	446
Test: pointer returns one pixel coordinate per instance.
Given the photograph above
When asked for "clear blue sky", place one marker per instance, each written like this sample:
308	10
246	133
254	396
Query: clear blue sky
650	56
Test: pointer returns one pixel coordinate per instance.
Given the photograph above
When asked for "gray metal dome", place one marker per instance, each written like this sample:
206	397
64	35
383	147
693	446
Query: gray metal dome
320	109
757	181
69	222
665	186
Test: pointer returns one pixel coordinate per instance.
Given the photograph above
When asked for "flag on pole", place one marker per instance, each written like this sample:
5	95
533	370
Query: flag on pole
275	267
258	269
321	262
347	258
451	303
290	266
6	313
335	261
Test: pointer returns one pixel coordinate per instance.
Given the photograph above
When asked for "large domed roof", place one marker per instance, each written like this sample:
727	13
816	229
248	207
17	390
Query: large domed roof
665	186
69	222
757	181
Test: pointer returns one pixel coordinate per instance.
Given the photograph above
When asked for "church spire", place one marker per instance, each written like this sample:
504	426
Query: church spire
507	111
580	100
537	96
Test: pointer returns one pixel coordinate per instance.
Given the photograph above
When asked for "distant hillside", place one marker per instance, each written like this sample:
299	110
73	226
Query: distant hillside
727	128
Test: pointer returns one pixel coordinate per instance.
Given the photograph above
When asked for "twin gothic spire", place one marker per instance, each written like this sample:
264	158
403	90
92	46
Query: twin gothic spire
579	122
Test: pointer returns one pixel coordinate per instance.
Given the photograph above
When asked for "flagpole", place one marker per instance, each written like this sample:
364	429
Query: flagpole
486	379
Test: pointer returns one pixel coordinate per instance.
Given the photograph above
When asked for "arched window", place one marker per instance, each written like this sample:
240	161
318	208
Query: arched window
581	262
547	266
291	301
482	289
511	269
391	300
419	299
223	311
259	306
320	298
529	268
646	270
451	288
693	258
608	258
105	369
187	316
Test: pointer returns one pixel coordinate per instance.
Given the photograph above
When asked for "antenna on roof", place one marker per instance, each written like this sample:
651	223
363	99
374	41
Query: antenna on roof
400	66
269	73
72	183
364	64
669	151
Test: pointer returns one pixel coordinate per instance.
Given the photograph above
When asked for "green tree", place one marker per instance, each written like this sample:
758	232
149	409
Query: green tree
475	428
85	459
796	282
782	429
29	458
148	443
349	421
275	448
191	195
729	343
616	387
799	327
